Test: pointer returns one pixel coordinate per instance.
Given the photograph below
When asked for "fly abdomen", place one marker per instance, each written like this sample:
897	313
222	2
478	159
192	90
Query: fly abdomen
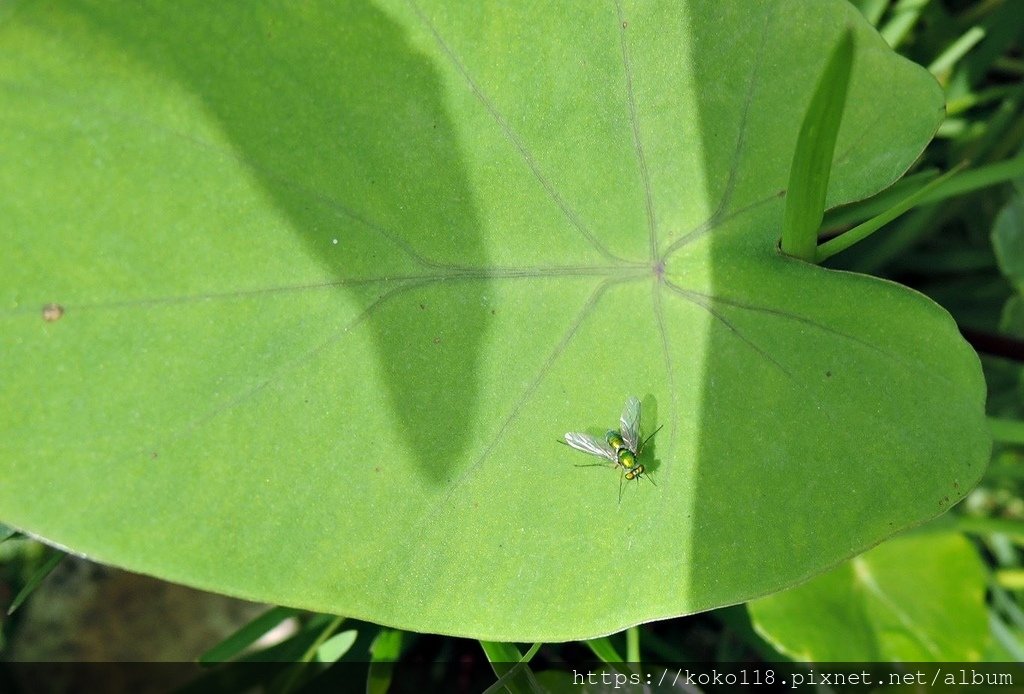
633	473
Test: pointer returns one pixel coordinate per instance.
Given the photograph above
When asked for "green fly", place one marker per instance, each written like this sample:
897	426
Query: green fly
620	448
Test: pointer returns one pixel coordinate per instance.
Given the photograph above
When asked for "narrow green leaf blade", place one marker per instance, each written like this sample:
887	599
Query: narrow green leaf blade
384	652
246	636
815	149
603	648
335	647
514	675
37	577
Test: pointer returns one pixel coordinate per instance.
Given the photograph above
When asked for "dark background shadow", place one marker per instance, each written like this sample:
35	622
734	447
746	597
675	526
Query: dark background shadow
343	124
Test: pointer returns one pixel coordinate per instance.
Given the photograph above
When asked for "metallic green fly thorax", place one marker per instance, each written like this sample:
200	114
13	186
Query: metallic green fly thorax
626	458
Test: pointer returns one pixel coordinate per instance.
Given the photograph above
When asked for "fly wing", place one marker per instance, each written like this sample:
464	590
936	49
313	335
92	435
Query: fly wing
630	422
591	445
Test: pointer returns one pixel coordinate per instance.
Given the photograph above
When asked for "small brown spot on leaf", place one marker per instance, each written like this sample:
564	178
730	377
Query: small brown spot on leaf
52	312
625	24
153	455
437	340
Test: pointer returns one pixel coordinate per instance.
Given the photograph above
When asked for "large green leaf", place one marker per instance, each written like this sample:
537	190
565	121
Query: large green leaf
335	278
914	598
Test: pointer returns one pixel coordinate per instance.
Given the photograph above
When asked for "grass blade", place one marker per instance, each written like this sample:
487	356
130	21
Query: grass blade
521	667
42	572
511	667
604	650
384	652
862	231
812	160
904	17
246	636
941	66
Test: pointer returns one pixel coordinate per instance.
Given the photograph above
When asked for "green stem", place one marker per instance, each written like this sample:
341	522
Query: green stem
633	644
862	231
975	179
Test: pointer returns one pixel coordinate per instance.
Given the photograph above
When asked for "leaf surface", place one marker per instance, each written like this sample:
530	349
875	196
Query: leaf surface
326	283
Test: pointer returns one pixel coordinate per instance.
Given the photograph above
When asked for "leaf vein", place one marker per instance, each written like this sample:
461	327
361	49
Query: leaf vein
638	145
741	139
524	152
